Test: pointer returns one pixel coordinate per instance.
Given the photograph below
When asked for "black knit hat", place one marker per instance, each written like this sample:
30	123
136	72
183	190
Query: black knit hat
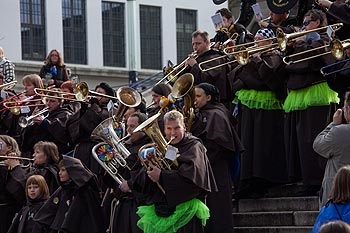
162	89
210	90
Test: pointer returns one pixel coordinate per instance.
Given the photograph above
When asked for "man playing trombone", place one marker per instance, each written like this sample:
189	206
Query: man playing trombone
216	77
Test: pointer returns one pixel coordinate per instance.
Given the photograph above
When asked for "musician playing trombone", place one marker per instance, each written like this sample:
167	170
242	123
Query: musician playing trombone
308	106
259	89
22	104
216	77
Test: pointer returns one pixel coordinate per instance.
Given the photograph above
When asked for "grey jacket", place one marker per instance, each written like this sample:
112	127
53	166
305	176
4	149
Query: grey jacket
333	144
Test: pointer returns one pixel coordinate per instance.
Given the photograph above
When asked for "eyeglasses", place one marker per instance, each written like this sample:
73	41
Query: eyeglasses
307	22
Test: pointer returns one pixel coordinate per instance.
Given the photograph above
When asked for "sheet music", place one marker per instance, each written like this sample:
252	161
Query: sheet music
257	10
217	21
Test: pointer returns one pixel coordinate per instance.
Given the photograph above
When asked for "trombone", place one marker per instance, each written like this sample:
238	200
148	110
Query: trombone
27	121
8	86
80	93
242	56
16	157
15	106
336	46
175	71
2	164
329	67
283	38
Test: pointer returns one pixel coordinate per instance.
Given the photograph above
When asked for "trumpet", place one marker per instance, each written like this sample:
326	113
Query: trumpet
324	70
175	71
27	121
336	46
8	86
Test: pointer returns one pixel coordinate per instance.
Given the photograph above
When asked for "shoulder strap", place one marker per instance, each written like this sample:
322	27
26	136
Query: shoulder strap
336	208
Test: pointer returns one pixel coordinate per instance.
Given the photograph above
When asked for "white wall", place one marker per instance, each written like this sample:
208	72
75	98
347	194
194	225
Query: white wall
10	31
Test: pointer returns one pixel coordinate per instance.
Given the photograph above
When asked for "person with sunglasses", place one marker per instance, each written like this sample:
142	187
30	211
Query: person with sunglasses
309	106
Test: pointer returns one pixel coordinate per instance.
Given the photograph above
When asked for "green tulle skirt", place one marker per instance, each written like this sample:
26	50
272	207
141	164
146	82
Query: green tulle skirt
258	99
151	223
315	95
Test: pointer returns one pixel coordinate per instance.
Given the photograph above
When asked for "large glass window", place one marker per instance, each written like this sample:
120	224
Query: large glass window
186	23
33	34
151	40
74	31
113	34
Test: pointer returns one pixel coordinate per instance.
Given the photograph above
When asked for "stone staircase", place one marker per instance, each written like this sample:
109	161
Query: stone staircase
280	214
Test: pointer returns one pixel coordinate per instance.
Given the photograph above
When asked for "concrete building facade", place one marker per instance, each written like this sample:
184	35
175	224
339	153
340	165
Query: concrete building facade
94	71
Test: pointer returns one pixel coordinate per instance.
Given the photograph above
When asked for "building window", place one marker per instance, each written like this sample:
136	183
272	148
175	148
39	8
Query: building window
186	23
74	31
33	33
151	40
113	34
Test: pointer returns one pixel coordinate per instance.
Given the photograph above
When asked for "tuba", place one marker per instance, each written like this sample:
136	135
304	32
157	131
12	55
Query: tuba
184	88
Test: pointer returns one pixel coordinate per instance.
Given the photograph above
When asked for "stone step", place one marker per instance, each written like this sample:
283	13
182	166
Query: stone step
286	190
278	204
279	229
283	218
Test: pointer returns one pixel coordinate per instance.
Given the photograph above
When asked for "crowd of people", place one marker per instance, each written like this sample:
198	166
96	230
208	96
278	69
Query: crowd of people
249	122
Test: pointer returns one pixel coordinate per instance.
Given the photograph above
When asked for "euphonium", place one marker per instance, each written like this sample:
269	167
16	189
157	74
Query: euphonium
109	159
110	153
106	132
184	88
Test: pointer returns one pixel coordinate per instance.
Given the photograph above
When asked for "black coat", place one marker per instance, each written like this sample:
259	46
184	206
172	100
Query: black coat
75	206
59	78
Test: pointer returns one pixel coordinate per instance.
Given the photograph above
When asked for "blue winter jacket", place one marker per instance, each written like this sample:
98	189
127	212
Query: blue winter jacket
329	213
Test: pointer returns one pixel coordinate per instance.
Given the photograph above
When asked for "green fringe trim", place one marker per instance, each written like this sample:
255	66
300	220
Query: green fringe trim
151	223
258	99
315	95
